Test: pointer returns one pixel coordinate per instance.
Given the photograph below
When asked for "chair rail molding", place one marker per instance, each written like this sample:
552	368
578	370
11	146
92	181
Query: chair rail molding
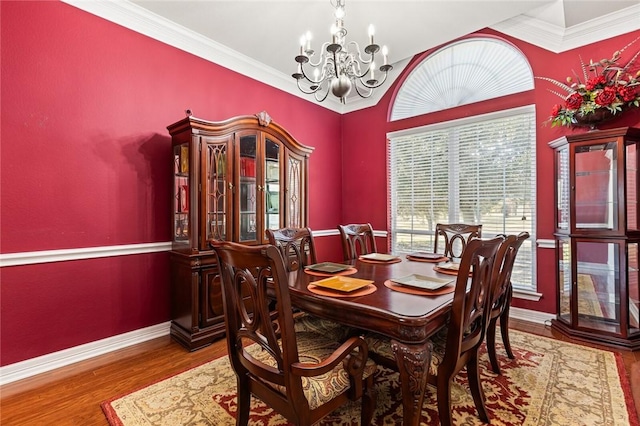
63	255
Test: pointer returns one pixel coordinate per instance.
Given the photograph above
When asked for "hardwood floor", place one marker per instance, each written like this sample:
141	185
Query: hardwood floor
72	395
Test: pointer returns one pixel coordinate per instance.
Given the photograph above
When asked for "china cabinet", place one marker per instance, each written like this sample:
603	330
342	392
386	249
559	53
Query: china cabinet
231	180
597	236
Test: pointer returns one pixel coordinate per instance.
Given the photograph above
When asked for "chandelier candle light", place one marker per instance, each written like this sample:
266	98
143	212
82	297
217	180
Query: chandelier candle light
341	66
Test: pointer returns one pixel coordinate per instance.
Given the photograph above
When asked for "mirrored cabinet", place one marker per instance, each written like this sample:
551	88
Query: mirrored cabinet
597	236
232	180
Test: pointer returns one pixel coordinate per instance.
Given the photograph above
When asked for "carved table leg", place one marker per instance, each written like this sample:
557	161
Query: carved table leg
413	363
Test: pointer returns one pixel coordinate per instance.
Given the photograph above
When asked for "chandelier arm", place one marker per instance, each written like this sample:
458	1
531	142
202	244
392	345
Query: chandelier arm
315	95
312	81
321	57
311	91
360	58
374	86
361	94
357	70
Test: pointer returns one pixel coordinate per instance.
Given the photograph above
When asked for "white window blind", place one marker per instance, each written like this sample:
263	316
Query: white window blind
479	171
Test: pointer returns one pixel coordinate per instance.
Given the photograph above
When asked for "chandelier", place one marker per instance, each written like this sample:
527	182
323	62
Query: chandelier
340	67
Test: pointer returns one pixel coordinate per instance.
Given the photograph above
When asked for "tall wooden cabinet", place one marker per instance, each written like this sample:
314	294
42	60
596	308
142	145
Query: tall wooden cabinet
232	180
598	236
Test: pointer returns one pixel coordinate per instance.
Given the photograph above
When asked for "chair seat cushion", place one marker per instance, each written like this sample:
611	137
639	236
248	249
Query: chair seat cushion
308	323
381	346
313	348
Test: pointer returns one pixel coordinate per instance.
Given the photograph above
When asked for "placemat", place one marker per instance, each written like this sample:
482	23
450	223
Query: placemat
380	262
349	271
422	259
420	292
448	271
323	292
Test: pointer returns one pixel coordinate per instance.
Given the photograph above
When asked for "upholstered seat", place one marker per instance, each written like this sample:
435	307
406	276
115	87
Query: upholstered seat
302	375
298	250
309	323
312	349
380	347
456	345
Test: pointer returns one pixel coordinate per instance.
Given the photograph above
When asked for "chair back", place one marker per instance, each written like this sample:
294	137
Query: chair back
455	237
303	377
472	298
357	239
296	246
503	269
248	273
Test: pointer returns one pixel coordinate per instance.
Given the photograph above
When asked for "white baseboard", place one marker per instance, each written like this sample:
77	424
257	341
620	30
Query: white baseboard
531	316
42	364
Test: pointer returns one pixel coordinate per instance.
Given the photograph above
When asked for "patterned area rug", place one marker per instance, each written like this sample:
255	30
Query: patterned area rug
588	302
549	383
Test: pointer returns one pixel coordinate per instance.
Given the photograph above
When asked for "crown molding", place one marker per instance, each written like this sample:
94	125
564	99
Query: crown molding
141	20
531	30
558	39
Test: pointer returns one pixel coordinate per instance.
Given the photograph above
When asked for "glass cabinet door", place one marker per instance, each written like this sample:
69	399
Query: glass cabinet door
247	188
295	191
597	284
181	193
218	185
631	171
272	184
633	277
562	191
596	190
565	280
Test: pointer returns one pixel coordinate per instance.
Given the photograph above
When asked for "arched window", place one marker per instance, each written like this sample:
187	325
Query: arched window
477	170
464	72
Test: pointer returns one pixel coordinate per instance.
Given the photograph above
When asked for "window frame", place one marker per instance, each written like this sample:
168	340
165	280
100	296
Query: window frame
458	123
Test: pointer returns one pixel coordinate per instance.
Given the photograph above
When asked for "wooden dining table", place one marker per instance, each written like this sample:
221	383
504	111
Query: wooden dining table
409	320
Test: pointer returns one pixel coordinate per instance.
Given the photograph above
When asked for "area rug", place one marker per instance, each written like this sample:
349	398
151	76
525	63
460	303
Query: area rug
549	383
588	302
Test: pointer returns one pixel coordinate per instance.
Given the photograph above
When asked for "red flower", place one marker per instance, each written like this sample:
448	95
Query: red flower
627	93
606	97
574	101
594	81
555	110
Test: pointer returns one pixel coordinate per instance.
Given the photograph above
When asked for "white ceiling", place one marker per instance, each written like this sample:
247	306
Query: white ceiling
265	33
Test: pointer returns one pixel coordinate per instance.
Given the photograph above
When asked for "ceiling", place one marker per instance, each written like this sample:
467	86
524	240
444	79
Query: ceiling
265	34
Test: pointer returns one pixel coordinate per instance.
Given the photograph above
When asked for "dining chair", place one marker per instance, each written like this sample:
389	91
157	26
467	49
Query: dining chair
501	297
455	237
296	246
456	345
302	376
298	250
357	239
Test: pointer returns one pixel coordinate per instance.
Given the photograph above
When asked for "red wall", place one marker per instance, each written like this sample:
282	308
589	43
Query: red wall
86	162
364	145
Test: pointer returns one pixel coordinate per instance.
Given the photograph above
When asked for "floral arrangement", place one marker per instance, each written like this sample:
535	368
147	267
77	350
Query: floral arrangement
606	88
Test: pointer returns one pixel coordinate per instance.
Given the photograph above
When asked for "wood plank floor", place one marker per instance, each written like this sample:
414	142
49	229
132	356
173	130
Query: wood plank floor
72	395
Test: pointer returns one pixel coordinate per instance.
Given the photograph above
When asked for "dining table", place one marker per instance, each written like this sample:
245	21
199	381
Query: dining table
409	316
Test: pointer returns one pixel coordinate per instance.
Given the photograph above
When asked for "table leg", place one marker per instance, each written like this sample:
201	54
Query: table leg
413	363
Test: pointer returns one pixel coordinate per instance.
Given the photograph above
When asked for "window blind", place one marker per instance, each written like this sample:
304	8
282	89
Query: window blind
478	170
